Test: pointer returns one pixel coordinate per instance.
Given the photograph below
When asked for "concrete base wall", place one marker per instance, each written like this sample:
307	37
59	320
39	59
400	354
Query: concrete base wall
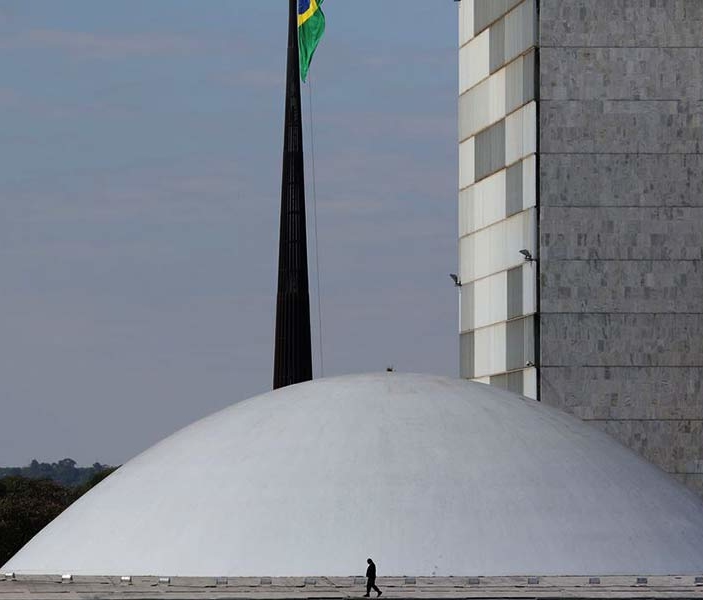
621	222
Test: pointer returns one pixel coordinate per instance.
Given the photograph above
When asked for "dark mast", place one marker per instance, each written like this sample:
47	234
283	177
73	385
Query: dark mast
293	353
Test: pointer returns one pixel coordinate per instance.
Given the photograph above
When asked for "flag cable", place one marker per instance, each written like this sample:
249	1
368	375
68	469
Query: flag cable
314	211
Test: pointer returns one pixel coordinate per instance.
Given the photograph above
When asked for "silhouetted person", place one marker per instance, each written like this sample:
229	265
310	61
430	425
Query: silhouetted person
371	579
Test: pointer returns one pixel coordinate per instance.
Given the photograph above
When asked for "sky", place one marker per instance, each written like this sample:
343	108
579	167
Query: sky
141	146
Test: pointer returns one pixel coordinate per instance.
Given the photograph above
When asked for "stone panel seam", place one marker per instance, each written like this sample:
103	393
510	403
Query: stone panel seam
652	420
581	153
628	100
597	206
610	47
628	312
628	260
612	366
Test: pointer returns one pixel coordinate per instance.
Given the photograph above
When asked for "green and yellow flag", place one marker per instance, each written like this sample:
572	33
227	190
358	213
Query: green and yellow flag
311	27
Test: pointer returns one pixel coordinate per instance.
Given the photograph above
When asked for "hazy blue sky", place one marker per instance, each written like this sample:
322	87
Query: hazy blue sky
140	145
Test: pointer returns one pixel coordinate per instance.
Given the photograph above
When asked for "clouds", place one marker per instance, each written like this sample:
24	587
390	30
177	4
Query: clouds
8	97
252	78
139	210
104	46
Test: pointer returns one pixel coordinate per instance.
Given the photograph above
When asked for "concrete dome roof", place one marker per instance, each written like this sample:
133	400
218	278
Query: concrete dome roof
428	475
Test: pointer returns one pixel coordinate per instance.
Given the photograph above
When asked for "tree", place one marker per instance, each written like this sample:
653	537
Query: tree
64	471
27	506
92	482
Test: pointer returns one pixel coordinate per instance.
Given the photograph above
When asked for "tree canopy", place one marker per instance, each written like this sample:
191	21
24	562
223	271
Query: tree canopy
64	472
28	504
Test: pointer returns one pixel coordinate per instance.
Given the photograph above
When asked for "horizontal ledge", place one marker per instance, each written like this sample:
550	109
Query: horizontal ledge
495	324
492	123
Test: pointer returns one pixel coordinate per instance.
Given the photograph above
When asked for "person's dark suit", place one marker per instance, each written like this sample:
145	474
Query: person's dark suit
371	579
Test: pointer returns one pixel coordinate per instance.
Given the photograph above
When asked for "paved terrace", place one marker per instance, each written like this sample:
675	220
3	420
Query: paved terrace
53	587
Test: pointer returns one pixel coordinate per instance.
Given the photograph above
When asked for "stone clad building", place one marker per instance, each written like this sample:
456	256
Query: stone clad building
580	137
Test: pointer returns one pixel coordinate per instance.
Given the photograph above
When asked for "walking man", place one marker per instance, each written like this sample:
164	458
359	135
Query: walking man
371	579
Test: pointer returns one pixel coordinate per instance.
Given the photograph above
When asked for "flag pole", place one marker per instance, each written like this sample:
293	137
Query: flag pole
293	348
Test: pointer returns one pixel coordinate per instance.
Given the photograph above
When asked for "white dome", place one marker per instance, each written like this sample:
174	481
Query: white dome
428	475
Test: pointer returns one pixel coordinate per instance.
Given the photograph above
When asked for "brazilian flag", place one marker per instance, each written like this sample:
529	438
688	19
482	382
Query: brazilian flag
311	26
